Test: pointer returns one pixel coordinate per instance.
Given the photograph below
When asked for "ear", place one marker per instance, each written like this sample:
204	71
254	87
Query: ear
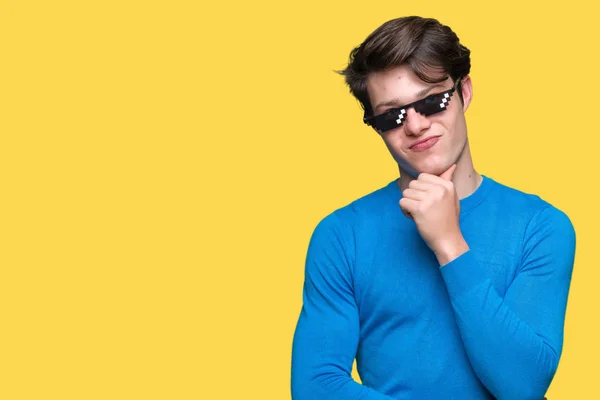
467	91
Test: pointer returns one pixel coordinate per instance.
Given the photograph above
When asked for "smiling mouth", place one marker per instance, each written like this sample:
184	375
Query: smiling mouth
424	144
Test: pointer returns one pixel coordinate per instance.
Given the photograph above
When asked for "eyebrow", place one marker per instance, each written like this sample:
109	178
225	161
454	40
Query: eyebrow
419	95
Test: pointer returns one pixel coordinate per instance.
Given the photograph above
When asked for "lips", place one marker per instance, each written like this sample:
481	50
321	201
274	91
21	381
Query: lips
424	143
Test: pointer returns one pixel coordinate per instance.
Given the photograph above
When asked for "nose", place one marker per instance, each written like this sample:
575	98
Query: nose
416	124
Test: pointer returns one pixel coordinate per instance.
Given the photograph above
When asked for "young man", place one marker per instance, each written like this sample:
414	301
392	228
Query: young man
444	284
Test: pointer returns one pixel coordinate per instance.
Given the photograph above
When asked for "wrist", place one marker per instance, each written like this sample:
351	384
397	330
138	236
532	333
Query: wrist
450	249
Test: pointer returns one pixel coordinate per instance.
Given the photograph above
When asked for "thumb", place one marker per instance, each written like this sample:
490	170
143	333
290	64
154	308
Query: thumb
447	174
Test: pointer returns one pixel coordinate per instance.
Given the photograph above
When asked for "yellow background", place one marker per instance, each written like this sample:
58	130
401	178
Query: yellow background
163	164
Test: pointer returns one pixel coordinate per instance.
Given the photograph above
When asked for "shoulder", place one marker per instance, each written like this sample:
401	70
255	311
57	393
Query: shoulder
526	204
370	208
332	245
513	197
539	216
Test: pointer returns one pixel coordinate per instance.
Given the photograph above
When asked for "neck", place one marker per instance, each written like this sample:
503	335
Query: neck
466	180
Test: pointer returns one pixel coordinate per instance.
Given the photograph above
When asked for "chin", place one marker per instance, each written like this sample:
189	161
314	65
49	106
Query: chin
437	170
432	168
431	165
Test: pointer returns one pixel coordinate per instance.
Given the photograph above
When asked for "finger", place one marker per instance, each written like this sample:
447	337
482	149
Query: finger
447	174
431	179
408	205
420	185
414	194
435	180
435	190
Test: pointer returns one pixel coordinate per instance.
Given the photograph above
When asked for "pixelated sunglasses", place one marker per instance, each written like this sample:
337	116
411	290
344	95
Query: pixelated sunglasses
395	117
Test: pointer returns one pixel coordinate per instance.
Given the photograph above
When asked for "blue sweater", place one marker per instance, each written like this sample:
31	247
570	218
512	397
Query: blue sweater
489	324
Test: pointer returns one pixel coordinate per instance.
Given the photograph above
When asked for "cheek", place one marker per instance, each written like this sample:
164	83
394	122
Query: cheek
393	141
460	126
454	123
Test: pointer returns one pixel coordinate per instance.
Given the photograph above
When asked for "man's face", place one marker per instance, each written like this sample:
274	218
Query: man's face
445	132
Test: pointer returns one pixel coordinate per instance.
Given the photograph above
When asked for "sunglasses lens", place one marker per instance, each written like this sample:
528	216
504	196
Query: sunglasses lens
433	104
388	120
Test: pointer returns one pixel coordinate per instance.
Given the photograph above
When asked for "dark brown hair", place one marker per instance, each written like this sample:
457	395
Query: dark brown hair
431	50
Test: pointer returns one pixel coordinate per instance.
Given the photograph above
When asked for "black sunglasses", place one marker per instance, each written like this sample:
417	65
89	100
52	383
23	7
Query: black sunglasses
395	117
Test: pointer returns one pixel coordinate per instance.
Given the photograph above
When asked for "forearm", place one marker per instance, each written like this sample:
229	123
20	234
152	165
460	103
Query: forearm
322	357
315	385
511	359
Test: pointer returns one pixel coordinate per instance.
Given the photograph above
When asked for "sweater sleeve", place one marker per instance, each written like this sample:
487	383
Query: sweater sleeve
514	343
326	336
